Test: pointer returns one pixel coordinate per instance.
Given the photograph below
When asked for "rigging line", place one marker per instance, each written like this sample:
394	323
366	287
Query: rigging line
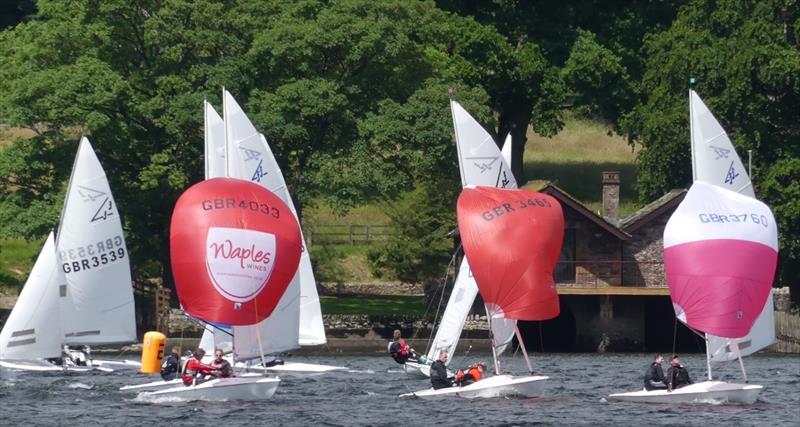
450	265
541	339
674	334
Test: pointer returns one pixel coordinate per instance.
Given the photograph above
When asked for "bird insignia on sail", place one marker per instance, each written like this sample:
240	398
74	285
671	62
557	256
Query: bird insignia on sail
484	166
105	211
250	154
259	172
722	153
732	174
89	194
504	181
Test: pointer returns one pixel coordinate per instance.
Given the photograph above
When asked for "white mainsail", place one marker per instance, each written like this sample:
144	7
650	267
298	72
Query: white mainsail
214	142
30	332
480	163
94	286
506	150
715	161
246	153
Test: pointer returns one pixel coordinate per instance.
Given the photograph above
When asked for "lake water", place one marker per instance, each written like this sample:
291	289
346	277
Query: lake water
366	394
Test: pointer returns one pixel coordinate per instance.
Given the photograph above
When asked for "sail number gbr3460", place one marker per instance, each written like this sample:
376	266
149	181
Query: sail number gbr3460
93	255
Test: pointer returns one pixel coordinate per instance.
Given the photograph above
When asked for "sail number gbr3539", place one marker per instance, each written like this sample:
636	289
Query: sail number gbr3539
93	255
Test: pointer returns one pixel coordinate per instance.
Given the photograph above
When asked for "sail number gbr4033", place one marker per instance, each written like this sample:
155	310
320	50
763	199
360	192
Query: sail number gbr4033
93	255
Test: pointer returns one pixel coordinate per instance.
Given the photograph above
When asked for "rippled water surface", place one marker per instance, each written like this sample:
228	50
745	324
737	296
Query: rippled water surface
366	394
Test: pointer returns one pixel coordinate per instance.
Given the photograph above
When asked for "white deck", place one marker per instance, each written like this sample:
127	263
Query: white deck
704	392
497	386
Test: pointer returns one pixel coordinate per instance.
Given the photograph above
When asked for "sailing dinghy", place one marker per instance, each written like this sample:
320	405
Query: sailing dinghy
716	164
513	238
82	277
247	244
480	162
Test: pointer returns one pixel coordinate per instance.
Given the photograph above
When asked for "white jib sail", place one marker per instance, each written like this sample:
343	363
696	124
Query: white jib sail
214	130
506	150
95	290
455	315
715	161
480	163
30	332
247	151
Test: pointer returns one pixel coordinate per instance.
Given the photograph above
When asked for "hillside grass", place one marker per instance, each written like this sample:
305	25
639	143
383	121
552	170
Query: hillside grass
392	305
16	260
575	158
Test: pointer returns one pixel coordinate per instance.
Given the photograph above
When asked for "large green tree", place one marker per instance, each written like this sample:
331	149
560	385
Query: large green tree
745	57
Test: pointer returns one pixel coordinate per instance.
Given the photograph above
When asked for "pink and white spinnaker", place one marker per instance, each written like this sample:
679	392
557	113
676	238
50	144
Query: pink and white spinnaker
720	255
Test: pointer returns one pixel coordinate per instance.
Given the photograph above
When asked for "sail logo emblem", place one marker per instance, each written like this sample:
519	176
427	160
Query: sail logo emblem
721	153
504	182
90	195
259	172
250	154
239	261
483	167
731	176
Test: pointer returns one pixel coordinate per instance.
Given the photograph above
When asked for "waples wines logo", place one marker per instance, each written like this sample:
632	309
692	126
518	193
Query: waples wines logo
239	261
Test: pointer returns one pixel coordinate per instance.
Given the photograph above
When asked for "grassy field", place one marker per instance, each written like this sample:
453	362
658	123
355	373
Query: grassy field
575	158
16	260
400	304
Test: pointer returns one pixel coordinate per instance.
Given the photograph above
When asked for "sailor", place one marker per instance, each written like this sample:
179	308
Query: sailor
172	365
677	375
654	377
439	378
194	371
222	368
474	374
400	351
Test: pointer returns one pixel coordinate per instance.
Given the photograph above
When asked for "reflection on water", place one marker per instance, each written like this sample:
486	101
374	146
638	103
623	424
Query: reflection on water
367	392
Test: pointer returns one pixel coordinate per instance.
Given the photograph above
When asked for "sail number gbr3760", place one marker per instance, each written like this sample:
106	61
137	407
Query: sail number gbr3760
93	255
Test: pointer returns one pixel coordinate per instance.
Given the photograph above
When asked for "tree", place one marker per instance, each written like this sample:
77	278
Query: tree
746	59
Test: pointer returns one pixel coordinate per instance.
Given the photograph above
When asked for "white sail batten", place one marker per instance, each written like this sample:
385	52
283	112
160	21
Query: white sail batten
715	161
29	332
214	130
455	315
96	295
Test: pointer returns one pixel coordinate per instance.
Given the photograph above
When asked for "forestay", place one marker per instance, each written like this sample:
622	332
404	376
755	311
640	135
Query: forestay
94	285
29	332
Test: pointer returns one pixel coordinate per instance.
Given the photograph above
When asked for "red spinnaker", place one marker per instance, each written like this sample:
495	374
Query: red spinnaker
235	247
512	239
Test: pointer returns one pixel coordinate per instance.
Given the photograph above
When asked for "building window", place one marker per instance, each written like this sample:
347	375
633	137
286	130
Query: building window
565	269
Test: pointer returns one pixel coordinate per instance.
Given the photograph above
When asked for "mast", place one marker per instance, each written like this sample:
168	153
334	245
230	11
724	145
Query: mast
708	357
522	346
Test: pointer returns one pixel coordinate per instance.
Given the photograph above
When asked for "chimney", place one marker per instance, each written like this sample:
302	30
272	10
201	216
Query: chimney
611	196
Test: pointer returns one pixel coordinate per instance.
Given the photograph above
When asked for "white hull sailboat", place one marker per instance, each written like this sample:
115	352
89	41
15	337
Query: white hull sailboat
496	386
480	162
716	165
243	387
703	392
82	277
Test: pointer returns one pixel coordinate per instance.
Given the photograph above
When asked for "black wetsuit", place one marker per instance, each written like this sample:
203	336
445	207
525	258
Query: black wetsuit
439	377
654	378
169	371
678	376
394	350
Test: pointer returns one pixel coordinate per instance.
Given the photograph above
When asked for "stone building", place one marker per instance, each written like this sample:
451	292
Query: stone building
610	276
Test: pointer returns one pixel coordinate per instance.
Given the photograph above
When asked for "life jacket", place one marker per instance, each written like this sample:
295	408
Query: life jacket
192	368
475	373
403	347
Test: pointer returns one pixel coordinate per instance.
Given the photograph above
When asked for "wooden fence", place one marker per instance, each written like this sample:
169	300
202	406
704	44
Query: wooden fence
346	234
787	327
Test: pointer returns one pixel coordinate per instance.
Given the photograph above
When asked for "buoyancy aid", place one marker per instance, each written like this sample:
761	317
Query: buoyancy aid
194	367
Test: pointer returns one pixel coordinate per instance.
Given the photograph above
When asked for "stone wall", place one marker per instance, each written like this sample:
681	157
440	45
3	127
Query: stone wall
376	288
597	253
644	255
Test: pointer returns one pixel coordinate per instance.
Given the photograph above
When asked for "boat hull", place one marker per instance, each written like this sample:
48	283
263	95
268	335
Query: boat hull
246	387
291	367
417	369
153	385
497	386
42	366
704	392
